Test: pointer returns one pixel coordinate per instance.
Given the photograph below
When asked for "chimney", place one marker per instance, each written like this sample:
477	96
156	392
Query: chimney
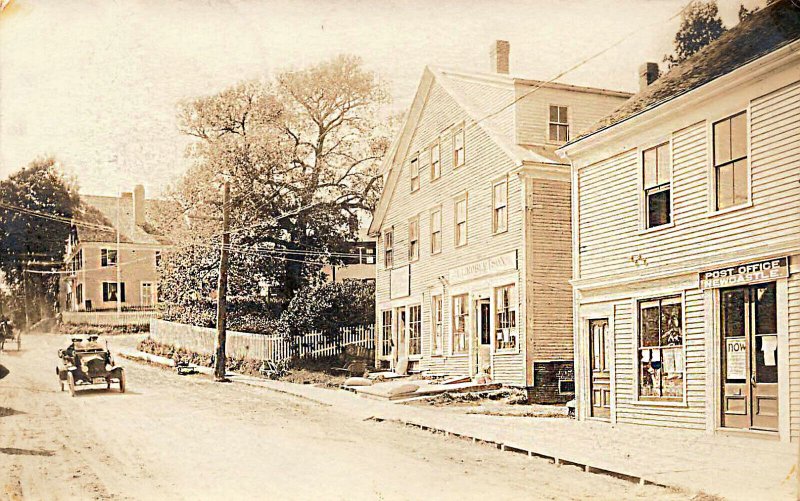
138	205
498	56
648	73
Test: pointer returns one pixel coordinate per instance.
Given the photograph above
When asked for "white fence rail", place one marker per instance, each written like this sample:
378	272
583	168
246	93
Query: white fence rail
259	346
108	318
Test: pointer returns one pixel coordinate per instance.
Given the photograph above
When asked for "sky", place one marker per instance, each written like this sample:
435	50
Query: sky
97	83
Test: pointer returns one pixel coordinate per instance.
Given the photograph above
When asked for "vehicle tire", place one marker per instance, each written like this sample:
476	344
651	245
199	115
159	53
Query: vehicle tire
122	381
71	382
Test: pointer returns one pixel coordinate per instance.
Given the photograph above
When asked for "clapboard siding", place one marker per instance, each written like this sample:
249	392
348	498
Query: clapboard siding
549	259
609	196
794	353
688	415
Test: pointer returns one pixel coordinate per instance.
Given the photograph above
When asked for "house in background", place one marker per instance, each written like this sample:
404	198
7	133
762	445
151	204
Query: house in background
103	272
473	228
686	216
360	267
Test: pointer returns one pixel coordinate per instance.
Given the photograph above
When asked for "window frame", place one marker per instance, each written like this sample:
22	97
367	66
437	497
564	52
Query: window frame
412	255
712	167
495	228
106	292
513	306
410	328
411	164
568	123
105	253
384	326
465	198
151	298
459	129
467	316
644	212
435	210
636	346
435	144
437	324
388	250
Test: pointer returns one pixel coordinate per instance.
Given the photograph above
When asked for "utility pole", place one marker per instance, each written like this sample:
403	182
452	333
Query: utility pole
25	293
222	287
117	264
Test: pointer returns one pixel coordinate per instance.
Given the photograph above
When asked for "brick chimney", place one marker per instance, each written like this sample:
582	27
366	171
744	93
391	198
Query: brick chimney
648	73
138	205
498	56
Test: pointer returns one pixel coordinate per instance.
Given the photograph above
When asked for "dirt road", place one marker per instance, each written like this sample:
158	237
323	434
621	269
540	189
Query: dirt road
172	437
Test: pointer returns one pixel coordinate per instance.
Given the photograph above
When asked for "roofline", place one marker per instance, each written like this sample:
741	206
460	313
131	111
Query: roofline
500	78
769	60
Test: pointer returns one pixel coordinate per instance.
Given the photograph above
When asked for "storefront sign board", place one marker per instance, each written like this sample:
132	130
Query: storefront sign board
400	282
490	266
743	274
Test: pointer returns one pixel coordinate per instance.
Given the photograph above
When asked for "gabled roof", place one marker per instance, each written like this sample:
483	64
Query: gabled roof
762	32
117	212
470	91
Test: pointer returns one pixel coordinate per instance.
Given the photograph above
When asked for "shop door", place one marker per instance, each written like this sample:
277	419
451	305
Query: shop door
600	379
749	322
400	335
484	352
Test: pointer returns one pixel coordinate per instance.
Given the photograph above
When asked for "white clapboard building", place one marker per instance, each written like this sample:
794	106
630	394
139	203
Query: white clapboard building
686	242
473	228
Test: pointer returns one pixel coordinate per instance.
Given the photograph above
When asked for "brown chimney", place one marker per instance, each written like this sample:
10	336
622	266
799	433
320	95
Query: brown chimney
498	56
138	205
648	73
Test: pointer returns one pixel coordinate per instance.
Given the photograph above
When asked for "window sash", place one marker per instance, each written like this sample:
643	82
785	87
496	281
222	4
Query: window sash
505	318
413	239
461	222
386	341
458	343
458	148
500	204
388	248
437	324
436	162
660	362
415	330
108	257
436	231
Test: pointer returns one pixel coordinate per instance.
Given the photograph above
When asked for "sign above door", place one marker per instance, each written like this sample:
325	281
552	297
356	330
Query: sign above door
744	274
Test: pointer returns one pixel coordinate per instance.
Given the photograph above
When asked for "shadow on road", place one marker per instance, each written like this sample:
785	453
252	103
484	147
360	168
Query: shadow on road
3	371
7	411
13	451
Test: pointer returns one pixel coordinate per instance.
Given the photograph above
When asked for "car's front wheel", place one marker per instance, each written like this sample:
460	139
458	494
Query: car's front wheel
71	382
122	381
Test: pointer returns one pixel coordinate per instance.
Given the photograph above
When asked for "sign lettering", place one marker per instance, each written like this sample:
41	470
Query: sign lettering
490	266
743	274
736	358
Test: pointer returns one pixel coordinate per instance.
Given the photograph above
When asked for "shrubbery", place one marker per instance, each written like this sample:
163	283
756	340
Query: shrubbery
328	307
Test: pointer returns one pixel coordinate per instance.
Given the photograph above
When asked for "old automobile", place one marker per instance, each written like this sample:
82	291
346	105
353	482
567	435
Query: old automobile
86	362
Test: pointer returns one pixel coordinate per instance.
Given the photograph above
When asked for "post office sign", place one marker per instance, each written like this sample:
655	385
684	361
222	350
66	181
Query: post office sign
743	274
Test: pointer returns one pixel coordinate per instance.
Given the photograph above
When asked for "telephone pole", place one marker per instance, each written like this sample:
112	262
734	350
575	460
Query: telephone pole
222	287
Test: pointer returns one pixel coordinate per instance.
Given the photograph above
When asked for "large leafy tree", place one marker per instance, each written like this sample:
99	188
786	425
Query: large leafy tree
301	152
31	242
700	25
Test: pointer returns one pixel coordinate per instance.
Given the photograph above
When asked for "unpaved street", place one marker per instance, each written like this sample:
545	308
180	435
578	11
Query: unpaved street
174	437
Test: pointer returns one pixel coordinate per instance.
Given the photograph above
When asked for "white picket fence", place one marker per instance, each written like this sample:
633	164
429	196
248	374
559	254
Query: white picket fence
108	318
259	346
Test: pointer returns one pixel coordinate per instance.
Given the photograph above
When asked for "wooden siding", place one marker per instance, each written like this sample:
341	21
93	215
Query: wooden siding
688	415
549	268
533	107
609	197
485	162
794	354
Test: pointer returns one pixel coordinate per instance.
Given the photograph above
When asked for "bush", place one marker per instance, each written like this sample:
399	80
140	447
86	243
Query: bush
329	307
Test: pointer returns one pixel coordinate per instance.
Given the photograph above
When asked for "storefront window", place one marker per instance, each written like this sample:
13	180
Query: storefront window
505	334
436	324
386	333
414	330
660	350
460	313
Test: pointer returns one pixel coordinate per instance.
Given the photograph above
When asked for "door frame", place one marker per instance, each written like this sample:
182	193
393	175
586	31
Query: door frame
583	374
715	351
476	337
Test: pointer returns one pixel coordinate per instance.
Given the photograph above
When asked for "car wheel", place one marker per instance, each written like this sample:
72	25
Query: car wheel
122	382
71	382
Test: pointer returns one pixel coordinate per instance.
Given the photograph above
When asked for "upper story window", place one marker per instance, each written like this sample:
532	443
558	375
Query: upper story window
558	124
388	249
500	206
436	161
415	174
413	239
458	148
108	257
660	350
436	231
731	179
158	258
657	183
505	323
461	221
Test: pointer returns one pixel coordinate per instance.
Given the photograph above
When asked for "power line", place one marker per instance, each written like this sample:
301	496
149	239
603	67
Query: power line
53	217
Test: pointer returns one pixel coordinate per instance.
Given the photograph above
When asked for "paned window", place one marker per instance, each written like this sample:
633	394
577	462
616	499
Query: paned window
500	206
558	124
108	257
461	222
505	324
460	315
657	176
386	333
436	231
388	249
110	290
458	148
730	161
413	239
414	174
436	161
660	352
415	330
436	325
